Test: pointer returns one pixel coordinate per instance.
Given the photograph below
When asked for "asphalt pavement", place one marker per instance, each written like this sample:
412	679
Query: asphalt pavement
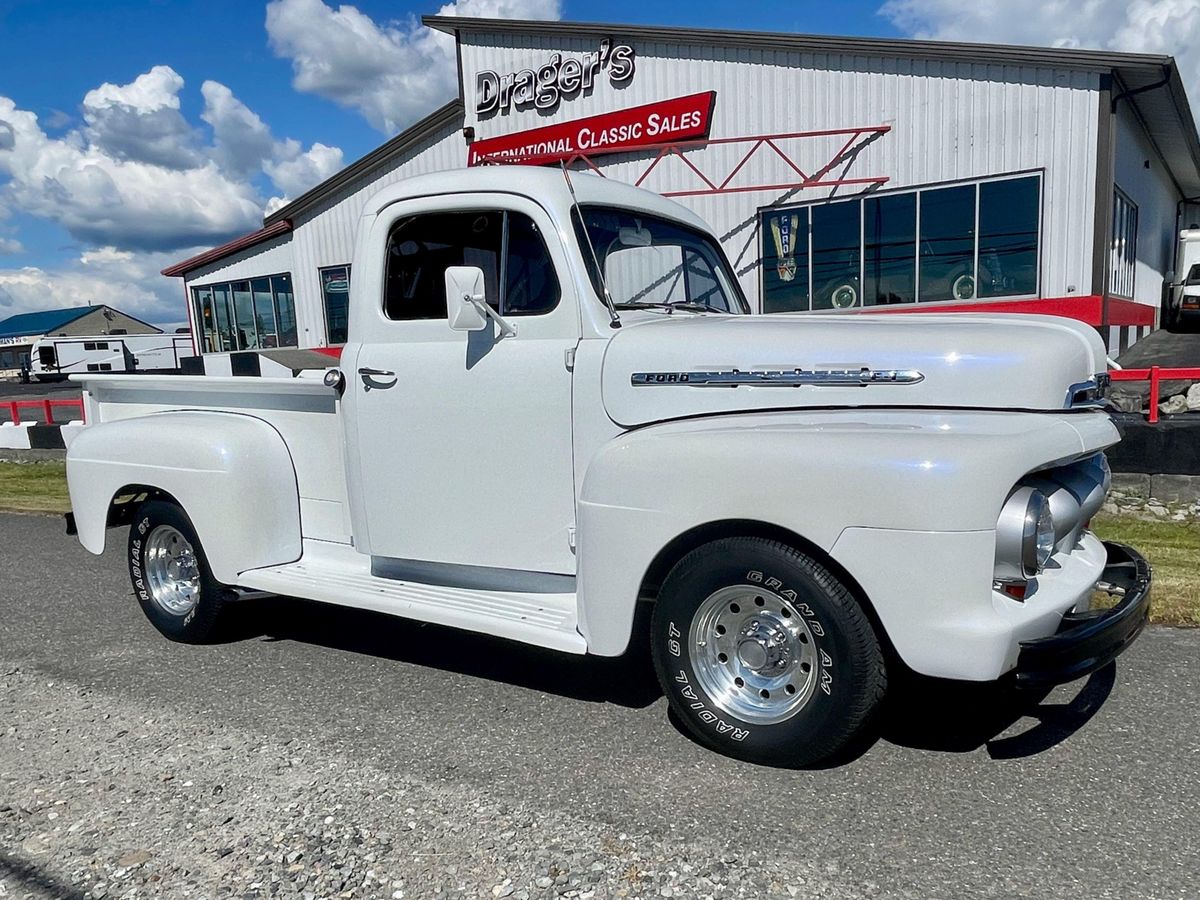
36	390
1090	792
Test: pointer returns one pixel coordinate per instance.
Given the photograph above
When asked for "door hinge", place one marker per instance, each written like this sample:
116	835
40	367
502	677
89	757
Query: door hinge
571	537
569	358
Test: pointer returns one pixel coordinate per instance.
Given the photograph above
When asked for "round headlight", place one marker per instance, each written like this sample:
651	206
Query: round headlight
1043	535
1025	535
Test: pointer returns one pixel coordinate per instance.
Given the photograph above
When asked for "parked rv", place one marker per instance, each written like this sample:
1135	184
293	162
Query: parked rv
56	358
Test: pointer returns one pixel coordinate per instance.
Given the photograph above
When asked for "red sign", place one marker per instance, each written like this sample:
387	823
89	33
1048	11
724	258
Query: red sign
680	119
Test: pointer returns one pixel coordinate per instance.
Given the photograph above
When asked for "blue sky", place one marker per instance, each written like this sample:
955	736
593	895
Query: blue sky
135	133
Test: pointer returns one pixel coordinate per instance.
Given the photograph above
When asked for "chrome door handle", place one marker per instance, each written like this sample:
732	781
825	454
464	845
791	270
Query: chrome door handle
368	377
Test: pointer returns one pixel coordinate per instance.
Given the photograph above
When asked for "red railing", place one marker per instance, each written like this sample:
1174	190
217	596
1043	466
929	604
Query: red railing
46	406
1155	375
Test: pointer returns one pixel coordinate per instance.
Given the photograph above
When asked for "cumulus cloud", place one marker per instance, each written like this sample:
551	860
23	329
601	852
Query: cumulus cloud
1141	26
127	281
392	72
241	139
137	175
139	187
106	199
141	121
294	171
243	144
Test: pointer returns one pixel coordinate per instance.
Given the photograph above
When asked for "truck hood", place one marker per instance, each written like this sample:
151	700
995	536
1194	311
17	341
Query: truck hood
668	367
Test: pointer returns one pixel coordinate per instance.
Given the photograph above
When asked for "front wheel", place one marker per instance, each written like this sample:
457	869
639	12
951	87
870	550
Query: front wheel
764	655
170	575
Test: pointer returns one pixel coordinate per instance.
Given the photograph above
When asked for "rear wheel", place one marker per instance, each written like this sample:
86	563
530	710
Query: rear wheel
170	575
764	655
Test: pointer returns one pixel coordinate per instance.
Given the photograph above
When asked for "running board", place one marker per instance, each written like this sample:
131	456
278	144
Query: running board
340	575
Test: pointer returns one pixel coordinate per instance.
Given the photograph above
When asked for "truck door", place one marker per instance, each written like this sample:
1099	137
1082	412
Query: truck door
459	444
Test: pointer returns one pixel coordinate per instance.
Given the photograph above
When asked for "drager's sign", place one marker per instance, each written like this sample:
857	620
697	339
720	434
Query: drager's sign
559	78
678	119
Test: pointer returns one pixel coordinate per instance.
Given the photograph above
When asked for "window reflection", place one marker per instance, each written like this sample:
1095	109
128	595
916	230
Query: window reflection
948	243
904	247
889	239
246	315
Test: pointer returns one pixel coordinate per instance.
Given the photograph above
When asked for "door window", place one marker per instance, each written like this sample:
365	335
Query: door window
506	246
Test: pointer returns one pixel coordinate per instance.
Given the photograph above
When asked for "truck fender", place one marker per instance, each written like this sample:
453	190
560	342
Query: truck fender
232	475
813	475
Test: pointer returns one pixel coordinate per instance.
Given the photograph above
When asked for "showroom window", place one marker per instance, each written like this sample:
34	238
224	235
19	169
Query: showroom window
1124	245
335	291
951	242
256	314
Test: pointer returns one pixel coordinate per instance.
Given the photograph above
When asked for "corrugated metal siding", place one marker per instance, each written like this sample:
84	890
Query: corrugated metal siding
325	236
950	121
268	258
1156	196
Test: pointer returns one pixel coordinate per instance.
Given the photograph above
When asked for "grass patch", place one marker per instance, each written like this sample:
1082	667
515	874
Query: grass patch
34	486
1173	551
1173	548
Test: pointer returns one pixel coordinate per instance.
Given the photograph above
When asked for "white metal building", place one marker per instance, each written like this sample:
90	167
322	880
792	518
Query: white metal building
843	175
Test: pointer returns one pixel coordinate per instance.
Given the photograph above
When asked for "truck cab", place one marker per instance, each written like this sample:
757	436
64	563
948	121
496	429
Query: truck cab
554	410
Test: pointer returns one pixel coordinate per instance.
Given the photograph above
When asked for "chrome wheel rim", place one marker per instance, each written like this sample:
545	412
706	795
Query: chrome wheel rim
172	571
753	654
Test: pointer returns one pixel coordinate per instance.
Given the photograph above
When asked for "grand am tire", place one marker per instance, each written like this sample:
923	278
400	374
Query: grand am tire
171	577
764	655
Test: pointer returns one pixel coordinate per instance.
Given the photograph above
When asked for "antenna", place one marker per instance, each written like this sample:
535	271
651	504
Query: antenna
614	319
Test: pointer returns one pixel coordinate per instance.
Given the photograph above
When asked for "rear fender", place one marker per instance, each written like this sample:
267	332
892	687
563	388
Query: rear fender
232	474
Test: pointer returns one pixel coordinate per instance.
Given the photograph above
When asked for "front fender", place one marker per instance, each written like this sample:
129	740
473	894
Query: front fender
232	474
813	474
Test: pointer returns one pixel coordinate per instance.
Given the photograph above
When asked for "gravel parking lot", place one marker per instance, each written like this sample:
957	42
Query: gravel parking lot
328	753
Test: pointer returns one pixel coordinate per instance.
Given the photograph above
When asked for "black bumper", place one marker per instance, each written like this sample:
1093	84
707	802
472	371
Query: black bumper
1089	641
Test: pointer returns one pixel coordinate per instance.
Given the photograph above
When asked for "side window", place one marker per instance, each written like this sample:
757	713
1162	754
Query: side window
422	247
530	282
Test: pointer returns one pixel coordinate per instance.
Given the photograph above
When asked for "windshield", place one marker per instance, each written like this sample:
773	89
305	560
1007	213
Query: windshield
1193	276
656	263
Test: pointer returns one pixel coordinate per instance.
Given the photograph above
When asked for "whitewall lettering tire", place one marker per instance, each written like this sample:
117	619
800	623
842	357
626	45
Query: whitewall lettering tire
764	655
170	575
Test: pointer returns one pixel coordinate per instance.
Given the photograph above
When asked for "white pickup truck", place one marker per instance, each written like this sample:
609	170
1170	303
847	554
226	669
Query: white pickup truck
554	411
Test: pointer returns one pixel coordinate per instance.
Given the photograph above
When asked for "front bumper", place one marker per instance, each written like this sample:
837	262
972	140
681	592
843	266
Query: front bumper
1088	641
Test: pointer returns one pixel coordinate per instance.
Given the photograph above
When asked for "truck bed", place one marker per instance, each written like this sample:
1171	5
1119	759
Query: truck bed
303	410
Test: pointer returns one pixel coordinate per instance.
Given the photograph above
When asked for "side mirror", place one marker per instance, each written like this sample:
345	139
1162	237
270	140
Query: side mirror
464	296
466	302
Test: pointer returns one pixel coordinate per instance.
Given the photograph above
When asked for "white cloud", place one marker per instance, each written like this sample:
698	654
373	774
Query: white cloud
126	281
392	73
139	187
1141	26
243	145
141	121
136	174
104	199
241	139
294	172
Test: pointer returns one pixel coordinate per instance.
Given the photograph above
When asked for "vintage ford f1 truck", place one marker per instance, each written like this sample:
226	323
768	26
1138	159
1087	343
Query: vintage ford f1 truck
554	412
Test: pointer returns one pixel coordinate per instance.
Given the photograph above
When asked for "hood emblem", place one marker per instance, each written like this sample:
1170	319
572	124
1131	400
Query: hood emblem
780	378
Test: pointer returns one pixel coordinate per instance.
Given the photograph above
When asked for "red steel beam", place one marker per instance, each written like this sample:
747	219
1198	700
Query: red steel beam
757	141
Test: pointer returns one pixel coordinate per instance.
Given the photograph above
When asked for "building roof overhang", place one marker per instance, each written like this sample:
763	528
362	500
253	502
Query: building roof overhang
265	233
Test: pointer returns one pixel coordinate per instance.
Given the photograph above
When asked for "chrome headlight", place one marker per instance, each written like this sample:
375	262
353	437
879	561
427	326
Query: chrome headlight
1024	535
